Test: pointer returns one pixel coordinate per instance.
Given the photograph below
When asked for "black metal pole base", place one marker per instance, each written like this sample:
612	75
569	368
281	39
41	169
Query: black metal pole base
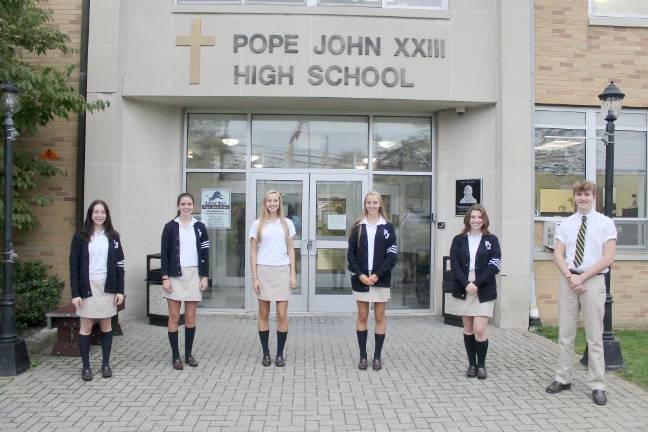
535	322
612	354
14	359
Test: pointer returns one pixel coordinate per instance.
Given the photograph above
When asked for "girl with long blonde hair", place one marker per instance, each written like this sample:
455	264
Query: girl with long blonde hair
272	260
371	256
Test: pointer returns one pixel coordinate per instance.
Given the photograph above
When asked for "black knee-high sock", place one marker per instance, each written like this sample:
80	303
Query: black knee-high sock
469	342
380	339
106	347
362	342
190	332
173	340
281	342
264	335
84	347
482	349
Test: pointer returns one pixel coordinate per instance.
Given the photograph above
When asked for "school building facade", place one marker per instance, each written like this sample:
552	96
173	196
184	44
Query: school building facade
326	100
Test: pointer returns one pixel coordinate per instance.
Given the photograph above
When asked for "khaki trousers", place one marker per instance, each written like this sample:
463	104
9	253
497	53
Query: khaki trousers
592	304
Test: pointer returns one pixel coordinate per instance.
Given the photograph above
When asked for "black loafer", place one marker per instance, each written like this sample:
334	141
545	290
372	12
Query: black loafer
267	361
471	372
481	372
377	364
106	372
557	387
177	364
279	361
362	364
86	375
599	397
191	361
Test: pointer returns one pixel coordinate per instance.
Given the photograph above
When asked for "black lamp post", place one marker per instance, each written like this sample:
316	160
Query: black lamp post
13	351
611	99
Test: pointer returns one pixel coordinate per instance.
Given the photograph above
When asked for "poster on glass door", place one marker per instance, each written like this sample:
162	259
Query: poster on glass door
216	208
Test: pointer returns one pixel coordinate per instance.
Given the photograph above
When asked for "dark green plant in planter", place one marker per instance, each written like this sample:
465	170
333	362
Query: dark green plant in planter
36	292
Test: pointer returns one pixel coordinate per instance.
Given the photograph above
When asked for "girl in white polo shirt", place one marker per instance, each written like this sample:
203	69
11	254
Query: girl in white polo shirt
272	260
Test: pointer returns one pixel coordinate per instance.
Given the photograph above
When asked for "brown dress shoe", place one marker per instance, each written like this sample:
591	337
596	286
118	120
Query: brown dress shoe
191	361
481	372
362	365
599	397
267	361
377	364
86	375
279	361
471	372
106	372
177	364
557	387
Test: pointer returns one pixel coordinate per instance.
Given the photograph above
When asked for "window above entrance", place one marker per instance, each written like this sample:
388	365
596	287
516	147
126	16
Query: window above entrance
411	4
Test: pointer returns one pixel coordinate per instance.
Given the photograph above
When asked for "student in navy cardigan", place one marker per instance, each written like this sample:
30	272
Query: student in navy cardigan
185	274
97	282
371	256
475	259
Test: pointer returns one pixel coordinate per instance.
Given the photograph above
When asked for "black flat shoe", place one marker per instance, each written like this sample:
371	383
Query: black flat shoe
377	364
191	361
362	365
599	397
86	375
177	364
106	372
557	387
279	361
481	372
471	372
267	361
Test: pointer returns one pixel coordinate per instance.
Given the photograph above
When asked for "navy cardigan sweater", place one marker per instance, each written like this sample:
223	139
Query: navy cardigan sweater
170	250
487	265
384	258
80	267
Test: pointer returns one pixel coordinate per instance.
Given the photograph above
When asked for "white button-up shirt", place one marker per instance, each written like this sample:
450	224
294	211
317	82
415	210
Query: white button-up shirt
98	256
600	229
371	240
188	250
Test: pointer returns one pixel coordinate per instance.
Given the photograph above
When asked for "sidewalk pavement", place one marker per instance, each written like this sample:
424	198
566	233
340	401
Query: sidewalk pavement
422	386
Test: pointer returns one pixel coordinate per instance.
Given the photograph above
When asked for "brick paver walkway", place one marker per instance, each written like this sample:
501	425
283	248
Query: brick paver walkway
422	386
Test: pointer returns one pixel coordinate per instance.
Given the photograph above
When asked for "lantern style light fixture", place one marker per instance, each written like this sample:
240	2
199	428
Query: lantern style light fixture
611	100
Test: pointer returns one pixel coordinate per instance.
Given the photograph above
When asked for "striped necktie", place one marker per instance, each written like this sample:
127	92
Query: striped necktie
580	243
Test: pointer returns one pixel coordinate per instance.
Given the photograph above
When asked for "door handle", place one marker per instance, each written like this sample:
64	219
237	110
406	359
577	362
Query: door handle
312	247
305	246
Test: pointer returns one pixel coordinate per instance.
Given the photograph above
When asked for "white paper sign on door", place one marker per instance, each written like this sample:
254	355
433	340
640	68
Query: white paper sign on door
336	222
216	208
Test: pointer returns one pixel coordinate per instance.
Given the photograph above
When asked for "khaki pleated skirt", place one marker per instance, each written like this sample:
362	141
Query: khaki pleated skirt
471	306
100	305
274	282
185	287
374	295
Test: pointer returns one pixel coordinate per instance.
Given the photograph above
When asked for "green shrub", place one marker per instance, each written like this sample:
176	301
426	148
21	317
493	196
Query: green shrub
36	292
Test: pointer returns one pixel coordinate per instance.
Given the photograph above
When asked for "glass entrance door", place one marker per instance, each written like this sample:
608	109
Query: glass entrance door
323	208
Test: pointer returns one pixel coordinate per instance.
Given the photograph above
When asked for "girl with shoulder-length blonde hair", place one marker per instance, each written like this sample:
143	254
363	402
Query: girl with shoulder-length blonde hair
371	256
272	260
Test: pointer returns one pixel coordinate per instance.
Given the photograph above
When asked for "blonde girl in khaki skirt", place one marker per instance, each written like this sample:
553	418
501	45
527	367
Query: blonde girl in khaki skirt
272	260
475	259
97	282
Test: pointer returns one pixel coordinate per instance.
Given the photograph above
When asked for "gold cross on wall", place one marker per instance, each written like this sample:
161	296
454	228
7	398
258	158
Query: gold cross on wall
195	41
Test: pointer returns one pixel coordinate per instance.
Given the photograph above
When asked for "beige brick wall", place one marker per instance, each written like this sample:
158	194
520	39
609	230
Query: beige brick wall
50	242
574	60
629	291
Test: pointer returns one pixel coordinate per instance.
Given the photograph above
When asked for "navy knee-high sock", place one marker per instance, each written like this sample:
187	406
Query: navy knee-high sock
190	332
469	342
380	340
264	335
362	342
84	347
281	342
106	347
173	340
482	349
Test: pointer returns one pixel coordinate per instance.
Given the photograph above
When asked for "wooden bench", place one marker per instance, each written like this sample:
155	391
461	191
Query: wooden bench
66	322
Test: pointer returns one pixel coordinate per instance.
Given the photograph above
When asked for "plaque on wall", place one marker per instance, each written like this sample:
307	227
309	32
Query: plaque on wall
216	208
467	193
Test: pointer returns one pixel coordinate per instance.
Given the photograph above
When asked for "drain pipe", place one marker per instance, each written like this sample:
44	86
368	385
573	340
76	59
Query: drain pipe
81	121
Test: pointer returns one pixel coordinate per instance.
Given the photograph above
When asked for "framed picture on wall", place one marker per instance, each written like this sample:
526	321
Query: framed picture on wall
467	193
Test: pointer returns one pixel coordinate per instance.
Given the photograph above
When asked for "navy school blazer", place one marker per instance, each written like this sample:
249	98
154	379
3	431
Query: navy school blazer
487	264
170	249
384	258
80	267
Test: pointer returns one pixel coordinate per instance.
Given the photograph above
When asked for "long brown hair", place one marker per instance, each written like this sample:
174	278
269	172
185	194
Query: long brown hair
480	208
87	228
263	216
364	213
